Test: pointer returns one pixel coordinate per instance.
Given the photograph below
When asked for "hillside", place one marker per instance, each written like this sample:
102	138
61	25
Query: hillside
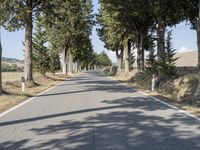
188	59
12	60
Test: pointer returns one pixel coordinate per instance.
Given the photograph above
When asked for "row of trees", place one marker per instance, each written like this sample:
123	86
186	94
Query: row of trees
6	67
45	57
102	60
61	27
142	25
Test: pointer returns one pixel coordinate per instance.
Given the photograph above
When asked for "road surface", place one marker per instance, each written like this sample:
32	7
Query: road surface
92	112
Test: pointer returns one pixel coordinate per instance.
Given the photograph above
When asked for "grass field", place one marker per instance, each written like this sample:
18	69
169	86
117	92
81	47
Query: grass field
12	87
11	76
188	59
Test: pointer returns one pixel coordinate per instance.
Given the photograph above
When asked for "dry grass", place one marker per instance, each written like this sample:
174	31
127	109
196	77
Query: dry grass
13	94
11	76
191	108
188	59
184	106
183	86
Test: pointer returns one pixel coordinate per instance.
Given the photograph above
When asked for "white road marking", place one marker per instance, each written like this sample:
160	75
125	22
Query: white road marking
165	103
171	106
28	100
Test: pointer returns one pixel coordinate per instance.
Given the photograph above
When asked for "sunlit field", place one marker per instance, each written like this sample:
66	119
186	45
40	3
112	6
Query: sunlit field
11	76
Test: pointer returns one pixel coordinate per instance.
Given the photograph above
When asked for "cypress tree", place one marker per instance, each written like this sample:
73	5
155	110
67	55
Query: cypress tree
20	14
152	65
191	11
166	64
40	51
69	30
54	60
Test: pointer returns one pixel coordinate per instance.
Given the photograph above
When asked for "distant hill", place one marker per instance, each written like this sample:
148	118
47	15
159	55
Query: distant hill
187	59
12	60
12	65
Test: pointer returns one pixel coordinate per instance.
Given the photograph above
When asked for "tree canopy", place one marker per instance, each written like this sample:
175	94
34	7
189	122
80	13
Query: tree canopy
133	23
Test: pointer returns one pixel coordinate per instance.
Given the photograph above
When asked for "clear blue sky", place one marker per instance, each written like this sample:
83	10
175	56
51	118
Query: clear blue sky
184	39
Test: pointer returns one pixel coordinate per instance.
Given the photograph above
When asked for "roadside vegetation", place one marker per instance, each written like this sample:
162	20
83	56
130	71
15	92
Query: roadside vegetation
13	94
58	39
133	28
57	44
10	67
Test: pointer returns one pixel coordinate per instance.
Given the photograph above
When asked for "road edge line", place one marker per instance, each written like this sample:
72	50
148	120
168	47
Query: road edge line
28	100
170	105
161	101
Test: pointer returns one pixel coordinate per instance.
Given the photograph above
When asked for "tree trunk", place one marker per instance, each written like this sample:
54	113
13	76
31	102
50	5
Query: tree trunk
70	63
119	62
87	66
64	64
140	53
74	67
198	44
198	39
1	88
78	66
28	50
127	57
161	39
122	59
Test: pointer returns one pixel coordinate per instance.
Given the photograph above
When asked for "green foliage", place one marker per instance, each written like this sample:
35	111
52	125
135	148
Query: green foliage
40	51
151	61
142	80
121	21
190	12
166	64
169	12
45	59
164	67
21	14
113	70
67	25
93	59
103	60
7	67
133	20
152	64
54	60
18	14
70	26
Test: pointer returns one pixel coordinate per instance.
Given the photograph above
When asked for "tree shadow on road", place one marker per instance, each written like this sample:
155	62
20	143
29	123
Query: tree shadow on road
94	86
123	124
128	102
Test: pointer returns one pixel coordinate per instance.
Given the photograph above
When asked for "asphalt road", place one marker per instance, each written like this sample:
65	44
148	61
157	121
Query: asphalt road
92	112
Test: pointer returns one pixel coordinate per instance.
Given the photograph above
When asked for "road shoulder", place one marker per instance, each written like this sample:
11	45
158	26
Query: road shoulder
166	101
